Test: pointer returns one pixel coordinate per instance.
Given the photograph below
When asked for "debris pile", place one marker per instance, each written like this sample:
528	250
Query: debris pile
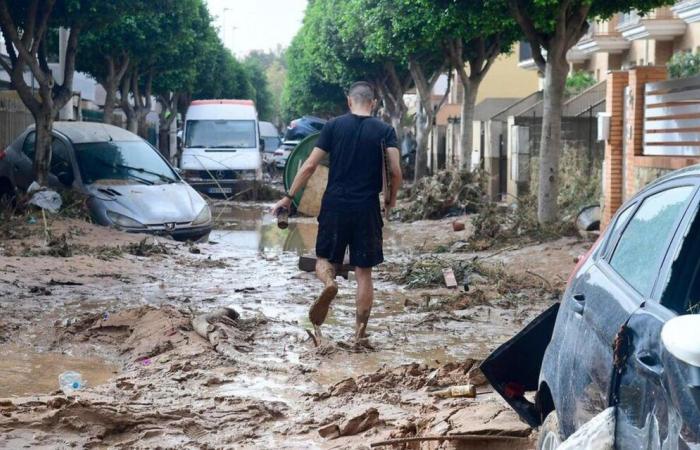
499	225
444	193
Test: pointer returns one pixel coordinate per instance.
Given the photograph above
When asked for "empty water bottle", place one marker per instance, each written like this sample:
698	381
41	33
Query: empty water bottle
70	382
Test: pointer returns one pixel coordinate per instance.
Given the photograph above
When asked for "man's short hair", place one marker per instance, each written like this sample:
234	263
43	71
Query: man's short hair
361	92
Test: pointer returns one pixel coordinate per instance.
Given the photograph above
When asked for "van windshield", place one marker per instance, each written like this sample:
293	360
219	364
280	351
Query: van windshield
220	134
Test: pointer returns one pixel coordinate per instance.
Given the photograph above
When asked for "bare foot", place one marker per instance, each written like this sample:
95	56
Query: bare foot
319	310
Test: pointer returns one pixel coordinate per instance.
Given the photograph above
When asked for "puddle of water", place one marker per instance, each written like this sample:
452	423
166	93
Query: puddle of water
25	372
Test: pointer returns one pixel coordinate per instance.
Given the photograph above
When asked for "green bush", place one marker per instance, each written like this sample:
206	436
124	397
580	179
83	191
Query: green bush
578	82
683	65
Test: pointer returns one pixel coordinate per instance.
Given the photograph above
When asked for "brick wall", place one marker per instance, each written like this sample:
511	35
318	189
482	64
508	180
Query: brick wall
639	170
612	175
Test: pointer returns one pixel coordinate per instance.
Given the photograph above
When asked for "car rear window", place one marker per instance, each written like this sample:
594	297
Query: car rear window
639	252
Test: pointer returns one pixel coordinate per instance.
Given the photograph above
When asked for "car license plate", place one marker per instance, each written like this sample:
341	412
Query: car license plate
220	190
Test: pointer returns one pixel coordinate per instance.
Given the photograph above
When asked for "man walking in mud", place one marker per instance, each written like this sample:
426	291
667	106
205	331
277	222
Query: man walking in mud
358	146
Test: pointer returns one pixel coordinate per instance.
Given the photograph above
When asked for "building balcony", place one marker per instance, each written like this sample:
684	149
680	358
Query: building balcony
660	24
687	10
603	37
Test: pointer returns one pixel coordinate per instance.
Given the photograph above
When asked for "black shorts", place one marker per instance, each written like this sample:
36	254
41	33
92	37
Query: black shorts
360	230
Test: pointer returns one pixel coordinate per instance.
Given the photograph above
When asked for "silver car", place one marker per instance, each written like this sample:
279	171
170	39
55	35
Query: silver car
128	183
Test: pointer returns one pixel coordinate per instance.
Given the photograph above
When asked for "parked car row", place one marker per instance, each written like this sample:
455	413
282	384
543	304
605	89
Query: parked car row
129	184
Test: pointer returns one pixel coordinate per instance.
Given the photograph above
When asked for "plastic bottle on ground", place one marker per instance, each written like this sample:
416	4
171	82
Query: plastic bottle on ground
70	382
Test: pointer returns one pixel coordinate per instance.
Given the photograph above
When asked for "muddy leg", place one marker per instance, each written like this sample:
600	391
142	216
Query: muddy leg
365	298
319	310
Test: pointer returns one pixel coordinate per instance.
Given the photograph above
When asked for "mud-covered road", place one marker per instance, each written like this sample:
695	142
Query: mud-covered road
119	310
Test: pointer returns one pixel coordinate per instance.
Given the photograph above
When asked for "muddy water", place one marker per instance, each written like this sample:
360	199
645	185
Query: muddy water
25	372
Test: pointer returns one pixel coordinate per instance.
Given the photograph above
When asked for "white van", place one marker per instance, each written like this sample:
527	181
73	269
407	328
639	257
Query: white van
221	145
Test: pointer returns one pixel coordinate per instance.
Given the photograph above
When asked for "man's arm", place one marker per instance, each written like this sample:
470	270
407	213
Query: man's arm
394	162
302	177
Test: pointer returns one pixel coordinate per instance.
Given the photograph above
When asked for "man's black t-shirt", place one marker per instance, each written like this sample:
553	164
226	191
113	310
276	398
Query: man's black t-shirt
354	144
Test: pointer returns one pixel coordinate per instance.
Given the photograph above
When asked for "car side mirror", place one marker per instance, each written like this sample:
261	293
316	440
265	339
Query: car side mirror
681	337
262	145
66	178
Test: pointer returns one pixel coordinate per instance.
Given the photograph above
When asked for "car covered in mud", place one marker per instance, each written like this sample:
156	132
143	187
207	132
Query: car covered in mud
128	184
626	334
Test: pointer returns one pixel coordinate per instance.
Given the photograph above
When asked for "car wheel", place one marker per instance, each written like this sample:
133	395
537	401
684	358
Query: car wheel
549	437
7	193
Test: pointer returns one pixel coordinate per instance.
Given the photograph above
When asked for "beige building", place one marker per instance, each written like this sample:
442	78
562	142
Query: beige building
630	40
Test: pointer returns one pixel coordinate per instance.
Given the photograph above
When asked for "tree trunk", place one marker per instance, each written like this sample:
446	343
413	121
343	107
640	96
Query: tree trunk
42	159
466	126
550	143
110	99
423	127
142	124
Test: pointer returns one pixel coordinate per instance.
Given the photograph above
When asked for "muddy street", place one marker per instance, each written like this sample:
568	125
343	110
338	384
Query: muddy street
119	310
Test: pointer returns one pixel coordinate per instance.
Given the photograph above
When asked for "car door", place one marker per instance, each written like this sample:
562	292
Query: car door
61	163
657	408
578	361
606	295
23	164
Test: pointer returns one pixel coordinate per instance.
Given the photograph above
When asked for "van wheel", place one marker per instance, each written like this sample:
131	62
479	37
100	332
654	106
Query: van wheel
549	437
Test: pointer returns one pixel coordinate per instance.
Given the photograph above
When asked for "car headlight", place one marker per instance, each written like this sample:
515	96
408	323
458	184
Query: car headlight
203	217
121	220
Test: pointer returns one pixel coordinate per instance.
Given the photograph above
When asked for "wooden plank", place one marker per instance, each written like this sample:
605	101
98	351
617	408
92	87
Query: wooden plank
667	85
672	150
671	124
691	94
670	111
660	138
308	264
310	204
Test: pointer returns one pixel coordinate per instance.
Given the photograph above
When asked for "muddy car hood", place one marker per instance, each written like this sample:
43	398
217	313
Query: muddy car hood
157	204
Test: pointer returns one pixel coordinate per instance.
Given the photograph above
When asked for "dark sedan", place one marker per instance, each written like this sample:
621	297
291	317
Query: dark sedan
129	185
627	333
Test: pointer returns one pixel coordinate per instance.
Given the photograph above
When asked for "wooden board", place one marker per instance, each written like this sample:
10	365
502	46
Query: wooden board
310	204
308	264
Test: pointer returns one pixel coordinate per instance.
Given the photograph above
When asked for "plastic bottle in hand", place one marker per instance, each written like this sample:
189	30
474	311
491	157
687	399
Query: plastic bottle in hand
70	382
282	218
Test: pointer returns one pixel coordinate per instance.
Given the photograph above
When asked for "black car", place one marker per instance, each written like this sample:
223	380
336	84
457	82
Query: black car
297	130
627	333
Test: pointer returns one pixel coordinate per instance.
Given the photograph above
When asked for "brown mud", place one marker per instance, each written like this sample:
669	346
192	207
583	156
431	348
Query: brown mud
120	310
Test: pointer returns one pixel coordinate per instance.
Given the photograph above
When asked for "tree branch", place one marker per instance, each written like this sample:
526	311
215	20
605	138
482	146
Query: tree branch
528	27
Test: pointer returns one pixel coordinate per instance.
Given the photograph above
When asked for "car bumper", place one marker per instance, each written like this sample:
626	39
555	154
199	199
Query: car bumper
179	234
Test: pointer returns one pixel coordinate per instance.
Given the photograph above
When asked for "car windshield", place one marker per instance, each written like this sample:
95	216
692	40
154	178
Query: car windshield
272	143
220	134
126	161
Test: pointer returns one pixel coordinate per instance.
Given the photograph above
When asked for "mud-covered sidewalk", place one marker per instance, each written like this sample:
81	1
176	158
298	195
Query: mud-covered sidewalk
120	310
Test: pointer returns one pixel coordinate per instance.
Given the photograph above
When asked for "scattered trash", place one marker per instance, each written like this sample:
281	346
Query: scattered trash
588	218
44	198
449	276
457	226
70	382
31	220
465	390
448	191
105	315
466	282
145	361
598	433
354	425
195	250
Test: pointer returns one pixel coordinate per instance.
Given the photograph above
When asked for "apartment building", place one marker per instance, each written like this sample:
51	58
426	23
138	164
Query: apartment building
631	40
